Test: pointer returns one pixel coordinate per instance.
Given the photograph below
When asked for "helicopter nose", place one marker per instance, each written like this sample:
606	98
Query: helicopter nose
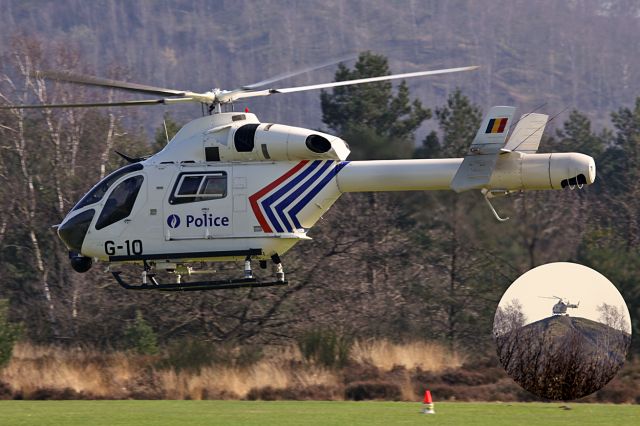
73	230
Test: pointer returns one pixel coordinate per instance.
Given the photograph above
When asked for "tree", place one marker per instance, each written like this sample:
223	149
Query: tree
48	159
376	123
8	334
140	337
611	243
464	277
365	234
576	136
508	317
622	162
613	316
458	121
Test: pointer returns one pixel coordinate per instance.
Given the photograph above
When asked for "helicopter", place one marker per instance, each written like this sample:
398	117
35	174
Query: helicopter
228	187
560	308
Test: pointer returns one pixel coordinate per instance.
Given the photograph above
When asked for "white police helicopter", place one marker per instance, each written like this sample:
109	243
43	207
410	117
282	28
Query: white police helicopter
561	307
228	187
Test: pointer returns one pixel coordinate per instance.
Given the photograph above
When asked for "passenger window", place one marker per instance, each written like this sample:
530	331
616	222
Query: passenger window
214	187
120	203
199	187
190	185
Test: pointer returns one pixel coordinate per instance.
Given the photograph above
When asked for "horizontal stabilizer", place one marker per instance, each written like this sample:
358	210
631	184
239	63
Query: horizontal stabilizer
479	162
527	134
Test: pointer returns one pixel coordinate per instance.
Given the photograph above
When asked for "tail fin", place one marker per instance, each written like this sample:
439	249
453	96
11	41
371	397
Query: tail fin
527	134
477	166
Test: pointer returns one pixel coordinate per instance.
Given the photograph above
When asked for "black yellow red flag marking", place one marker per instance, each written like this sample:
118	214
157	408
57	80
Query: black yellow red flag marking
497	125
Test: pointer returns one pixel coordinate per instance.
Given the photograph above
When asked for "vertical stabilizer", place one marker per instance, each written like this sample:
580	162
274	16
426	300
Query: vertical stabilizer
479	162
527	134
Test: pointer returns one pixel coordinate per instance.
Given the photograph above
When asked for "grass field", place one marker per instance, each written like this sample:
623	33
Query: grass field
141	413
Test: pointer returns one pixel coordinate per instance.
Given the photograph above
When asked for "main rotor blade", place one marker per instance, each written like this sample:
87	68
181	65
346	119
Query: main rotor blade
239	94
372	79
105	82
100	104
298	72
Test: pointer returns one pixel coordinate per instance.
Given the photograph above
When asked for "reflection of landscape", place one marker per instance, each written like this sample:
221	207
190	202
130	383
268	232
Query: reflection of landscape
561	357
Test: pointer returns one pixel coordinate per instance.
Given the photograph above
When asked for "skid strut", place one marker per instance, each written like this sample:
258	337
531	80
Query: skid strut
277	267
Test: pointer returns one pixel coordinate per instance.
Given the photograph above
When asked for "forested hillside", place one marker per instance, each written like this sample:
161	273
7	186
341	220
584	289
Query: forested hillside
578	54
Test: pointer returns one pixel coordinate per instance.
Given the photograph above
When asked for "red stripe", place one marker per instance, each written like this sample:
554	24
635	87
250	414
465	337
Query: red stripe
503	124
255	197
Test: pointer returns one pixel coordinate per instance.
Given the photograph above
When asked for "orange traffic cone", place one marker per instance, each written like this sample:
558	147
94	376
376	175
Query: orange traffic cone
428	403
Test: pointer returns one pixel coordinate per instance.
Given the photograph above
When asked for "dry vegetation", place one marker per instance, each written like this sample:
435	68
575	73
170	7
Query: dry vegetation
386	355
376	370
43	372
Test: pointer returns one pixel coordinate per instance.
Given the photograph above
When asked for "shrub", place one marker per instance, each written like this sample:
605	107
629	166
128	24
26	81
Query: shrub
245	356
5	391
617	392
465	377
51	394
140	337
192	355
361	391
296	393
8	334
360	372
325	347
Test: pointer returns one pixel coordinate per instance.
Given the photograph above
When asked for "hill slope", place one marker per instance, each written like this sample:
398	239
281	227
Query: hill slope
577	54
562	357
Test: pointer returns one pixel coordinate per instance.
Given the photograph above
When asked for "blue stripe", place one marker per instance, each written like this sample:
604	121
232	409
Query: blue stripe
266	203
307	198
287	201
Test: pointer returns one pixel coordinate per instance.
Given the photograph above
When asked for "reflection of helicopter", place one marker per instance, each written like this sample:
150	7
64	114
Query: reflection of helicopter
228	187
560	308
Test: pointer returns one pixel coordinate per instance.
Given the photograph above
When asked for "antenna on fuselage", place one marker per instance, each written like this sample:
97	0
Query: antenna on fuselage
166	132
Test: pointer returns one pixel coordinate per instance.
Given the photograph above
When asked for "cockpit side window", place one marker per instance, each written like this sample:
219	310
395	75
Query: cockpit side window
97	192
120	203
193	187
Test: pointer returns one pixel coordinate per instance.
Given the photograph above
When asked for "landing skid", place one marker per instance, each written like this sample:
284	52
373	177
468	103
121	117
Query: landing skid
200	285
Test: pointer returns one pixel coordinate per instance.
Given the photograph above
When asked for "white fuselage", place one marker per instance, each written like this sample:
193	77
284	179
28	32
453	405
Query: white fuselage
227	187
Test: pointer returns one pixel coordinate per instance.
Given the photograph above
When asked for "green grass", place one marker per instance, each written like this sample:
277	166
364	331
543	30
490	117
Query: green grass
141	413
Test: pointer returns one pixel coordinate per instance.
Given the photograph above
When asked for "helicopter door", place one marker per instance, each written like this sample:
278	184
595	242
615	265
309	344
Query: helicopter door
120	211
199	205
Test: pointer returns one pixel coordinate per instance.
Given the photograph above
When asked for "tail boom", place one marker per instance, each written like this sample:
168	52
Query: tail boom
513	172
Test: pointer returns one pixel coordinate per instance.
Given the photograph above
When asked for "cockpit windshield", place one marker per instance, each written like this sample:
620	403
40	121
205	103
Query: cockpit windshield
120	203
98	191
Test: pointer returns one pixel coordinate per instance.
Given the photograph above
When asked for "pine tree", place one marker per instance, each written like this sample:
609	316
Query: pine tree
140	337
379	123
375	122
454	296
459	121
576	136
